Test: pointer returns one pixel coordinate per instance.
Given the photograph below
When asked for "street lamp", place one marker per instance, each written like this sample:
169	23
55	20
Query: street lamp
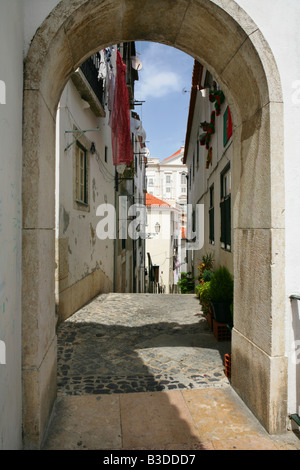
157	227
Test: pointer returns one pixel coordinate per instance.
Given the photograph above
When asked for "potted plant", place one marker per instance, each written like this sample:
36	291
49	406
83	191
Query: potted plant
186	283
204	296
221	295
205	265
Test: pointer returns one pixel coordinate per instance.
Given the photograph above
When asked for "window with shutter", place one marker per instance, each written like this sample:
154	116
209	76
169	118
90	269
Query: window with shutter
225	207
81	174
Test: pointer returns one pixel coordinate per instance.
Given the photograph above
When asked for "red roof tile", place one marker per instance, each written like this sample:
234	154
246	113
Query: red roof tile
172	156
154	201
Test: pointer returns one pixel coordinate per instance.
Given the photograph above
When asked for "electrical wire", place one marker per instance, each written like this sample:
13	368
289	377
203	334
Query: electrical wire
107	175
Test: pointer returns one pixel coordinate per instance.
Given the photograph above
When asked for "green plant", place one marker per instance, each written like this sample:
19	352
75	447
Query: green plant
206	264
203	291
186	283
207	275
221	286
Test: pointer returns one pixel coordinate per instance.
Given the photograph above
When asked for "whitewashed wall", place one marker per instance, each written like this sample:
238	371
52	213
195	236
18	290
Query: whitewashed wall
83	251
11	76
202	179
279	23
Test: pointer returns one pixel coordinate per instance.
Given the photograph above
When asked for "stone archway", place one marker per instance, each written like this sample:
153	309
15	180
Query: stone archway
223	37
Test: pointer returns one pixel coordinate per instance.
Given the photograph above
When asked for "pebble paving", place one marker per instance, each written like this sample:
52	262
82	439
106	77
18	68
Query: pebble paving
124	343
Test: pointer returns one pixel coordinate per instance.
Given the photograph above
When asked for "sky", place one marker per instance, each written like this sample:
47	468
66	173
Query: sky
164	85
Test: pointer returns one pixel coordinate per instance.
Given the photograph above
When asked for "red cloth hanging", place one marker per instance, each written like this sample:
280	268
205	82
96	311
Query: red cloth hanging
120	119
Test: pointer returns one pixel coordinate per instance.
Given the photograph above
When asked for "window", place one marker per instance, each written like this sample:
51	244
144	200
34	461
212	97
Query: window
168	189
225	206
183	178
81	174
208	81
211	216
168	179
105	153
150	182
183	189
193	164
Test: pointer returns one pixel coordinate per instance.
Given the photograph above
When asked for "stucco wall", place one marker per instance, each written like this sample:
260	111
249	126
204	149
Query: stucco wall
80	253
11	74
202	179
279	22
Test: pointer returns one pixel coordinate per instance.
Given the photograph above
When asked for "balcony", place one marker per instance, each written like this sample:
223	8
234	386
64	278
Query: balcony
89	87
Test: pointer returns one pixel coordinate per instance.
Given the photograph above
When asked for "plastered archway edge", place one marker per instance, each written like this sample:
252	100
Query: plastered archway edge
224	39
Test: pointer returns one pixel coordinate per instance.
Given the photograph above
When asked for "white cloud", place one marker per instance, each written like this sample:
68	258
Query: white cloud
156	84
158	76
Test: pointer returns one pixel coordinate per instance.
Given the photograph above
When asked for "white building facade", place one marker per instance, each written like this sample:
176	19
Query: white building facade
167	180
208	157
162	244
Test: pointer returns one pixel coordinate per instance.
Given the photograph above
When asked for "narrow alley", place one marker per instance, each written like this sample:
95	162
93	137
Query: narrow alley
144	372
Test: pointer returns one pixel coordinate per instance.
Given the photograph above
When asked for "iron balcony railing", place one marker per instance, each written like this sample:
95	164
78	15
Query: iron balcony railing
90	69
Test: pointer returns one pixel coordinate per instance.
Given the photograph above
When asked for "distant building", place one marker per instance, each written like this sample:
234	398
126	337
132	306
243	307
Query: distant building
163	245
167	180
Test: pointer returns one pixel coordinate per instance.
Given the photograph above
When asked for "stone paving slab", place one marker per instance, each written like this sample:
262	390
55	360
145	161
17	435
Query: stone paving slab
202	419
144	372
126	343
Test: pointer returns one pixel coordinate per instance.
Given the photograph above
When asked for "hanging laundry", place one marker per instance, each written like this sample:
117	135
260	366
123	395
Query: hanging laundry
102	67
120	118
111	93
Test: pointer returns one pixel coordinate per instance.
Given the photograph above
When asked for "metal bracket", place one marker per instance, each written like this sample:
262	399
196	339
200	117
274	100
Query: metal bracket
295	297
80	132
295	418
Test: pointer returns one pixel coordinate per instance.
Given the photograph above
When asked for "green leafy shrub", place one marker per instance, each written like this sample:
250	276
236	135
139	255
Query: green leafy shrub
186	283
221	286
206	265
203	291
207	275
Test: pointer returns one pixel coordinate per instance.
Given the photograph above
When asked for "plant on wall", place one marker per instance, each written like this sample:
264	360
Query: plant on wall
209	158
216	96
209	130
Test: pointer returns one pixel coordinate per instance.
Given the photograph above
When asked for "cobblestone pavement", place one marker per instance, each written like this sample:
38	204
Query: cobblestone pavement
123	343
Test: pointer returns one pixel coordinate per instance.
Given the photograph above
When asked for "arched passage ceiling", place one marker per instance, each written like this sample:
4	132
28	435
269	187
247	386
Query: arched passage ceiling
217	33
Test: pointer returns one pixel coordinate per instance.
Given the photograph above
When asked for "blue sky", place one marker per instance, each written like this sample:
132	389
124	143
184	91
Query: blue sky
166	72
